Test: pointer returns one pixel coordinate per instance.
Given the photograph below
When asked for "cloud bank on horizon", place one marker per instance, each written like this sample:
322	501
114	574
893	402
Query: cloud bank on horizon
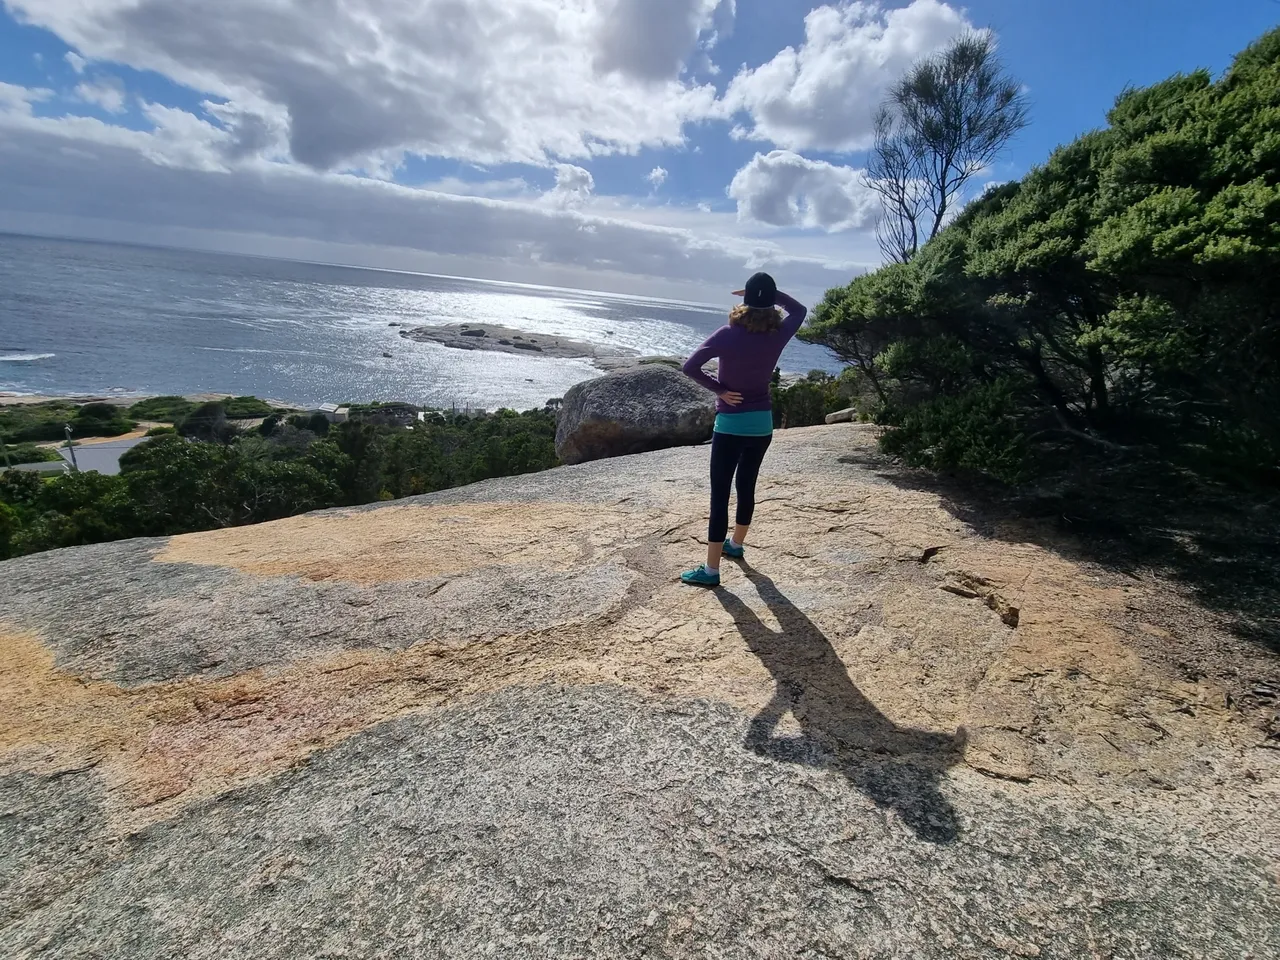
637	145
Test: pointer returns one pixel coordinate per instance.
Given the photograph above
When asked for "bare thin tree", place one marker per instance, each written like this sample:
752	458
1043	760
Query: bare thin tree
945	121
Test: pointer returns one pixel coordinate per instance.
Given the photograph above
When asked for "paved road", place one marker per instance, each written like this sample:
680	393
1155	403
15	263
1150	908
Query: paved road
101	457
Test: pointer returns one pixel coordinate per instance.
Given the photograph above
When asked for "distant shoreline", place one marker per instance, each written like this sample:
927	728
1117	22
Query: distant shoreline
10	399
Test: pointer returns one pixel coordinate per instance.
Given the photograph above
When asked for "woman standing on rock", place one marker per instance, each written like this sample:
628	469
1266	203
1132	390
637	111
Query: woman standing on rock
748	350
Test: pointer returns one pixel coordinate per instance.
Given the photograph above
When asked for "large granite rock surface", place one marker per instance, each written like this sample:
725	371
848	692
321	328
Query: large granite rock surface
490	723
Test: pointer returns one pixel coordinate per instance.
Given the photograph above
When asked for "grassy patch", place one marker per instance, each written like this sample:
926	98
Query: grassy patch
171	409
29	453
162	409
35	421
247	408
38	422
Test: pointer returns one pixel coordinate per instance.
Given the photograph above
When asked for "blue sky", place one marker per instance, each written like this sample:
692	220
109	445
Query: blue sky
633	145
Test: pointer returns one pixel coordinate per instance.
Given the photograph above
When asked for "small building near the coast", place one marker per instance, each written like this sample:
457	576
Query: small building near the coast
334	413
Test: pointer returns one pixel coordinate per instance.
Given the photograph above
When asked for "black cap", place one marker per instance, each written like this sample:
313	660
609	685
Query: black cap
760	291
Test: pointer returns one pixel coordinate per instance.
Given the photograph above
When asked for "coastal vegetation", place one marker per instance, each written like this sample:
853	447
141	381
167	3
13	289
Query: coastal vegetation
209	473
44	422
808	401
161	409
170	409
27	453
1118	305
208	468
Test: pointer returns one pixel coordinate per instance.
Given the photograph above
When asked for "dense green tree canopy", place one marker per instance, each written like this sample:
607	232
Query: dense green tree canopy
1123	296
218	477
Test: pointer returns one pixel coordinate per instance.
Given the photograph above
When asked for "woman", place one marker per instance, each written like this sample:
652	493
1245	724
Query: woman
748	350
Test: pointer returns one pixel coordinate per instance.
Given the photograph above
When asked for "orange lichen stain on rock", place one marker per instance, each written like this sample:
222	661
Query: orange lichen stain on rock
164	745
52	719
919	635
401	543
192	738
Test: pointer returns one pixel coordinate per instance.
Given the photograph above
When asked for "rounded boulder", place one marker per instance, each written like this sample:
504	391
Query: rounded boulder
634	411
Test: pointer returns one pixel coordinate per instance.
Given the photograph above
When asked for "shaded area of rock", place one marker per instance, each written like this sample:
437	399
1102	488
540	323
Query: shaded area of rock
515	827
634	411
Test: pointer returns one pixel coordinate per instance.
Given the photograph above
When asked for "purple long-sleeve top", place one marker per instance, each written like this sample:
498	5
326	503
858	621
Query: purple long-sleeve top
747	360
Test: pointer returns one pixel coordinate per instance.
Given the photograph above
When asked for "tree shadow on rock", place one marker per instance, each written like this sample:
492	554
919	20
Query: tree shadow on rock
898	768
1221	542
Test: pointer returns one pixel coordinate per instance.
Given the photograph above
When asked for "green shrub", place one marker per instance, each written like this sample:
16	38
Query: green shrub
43	422
19	488
247	408
100	420
161	431
976	431
808	402
29	453
22	423
208	423
9	525
1121	295
73	509
99	412
162	409
171	485
316	423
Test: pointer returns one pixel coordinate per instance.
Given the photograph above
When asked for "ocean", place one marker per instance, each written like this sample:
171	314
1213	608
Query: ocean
81	317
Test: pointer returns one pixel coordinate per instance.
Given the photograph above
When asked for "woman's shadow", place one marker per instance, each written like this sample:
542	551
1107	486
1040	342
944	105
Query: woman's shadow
896	767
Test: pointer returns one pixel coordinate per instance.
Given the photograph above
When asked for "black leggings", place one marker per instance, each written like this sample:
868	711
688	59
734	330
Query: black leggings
733	454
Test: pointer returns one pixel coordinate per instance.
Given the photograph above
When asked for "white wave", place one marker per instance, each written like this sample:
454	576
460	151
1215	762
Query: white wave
25	357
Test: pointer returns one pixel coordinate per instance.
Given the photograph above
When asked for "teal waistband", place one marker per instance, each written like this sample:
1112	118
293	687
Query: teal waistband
753	423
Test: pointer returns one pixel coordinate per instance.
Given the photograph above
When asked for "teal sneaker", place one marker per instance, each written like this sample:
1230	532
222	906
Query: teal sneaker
700	578
732	552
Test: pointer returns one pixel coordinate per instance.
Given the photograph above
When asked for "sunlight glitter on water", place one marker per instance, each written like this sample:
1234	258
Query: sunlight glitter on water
112	318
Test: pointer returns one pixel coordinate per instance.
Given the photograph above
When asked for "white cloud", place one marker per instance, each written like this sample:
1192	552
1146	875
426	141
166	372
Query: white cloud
784	189
512	188
824	95
177	178
354	83
18	100
302	95
106	93
651	39
254	129
573	188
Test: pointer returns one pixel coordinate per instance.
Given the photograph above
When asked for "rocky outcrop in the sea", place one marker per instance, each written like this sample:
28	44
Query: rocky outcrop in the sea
490	722
500	339
634	411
